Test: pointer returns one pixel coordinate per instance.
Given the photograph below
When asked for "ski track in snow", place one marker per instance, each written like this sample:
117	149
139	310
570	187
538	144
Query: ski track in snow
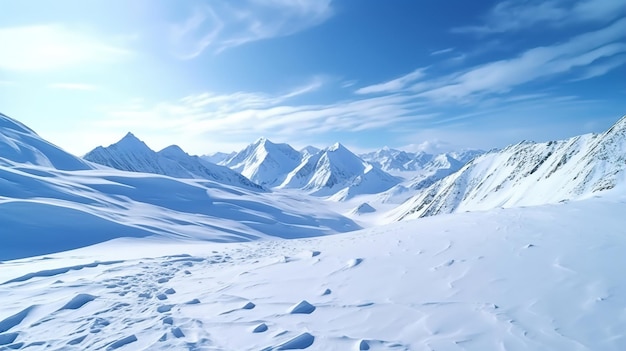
507	280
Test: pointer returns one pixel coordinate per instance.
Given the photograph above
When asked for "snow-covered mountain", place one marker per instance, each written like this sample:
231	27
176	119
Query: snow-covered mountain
309	150
339	172
437	168
390	160
51	201
393	160
528	174
20	144
265	162
217	157
132	154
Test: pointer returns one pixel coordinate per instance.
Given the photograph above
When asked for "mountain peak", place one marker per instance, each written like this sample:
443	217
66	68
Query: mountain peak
262	141
130	141
173	151
336	147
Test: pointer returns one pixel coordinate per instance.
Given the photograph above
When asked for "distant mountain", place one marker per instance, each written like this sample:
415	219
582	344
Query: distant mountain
528	174
264	162
217	157
396	160
20	144
393	160
309	150
51	201
339	172
132	154
437	168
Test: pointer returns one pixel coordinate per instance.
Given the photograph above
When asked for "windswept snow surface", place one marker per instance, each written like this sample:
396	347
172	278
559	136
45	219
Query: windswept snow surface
538	278
44	210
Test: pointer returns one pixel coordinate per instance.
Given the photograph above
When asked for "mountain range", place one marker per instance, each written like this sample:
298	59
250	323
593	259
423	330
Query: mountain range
167	253
527	174
127	189
132	154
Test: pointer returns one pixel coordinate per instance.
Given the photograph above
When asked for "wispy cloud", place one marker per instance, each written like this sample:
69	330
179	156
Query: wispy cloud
513	15
49	47
594	53
219	25
583	51
73	86
602	68
441	52
244	116
394	84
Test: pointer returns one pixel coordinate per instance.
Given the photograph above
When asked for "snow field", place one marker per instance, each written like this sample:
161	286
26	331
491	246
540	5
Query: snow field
541	278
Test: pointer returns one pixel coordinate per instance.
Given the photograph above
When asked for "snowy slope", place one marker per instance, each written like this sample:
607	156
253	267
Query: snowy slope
19	144
439	167
338	172
537	278
132	154
528	174
45	210
264	162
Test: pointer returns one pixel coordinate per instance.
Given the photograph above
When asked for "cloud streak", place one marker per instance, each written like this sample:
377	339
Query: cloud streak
596	53
394	84
220	25
513	15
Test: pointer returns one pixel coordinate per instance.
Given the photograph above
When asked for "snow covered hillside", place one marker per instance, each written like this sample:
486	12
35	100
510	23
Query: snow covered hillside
132	154
44	209
528	174
19	144
536	278
338	172
264	162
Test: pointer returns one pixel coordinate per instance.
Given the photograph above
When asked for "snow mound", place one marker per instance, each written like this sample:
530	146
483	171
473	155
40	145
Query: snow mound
78	301
303	307
363	208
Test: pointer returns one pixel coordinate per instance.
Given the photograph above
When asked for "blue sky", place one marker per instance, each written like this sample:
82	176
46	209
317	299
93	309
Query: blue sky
216	75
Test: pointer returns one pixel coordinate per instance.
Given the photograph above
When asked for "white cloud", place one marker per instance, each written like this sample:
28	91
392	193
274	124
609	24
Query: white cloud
594	53
441	52
219	25
394	84
49	47
603	67
513	15
225	119
582	51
